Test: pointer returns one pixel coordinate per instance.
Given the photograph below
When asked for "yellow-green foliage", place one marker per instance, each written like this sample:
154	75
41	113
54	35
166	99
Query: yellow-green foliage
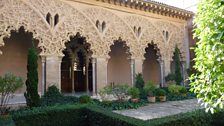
208	83
175	89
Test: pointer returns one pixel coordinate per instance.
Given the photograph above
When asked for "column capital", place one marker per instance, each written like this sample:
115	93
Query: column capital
161	62
54	58
43	59
131	61
93	60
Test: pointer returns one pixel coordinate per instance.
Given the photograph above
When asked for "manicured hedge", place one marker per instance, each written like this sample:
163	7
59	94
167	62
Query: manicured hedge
98	116
66	115
195	118
92	115
6	120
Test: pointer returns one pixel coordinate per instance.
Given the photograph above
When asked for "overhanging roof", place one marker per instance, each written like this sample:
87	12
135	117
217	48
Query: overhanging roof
153	7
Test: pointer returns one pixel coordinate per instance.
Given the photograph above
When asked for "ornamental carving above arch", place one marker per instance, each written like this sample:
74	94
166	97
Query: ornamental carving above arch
116	28
70	22
175	38
14	15
148	34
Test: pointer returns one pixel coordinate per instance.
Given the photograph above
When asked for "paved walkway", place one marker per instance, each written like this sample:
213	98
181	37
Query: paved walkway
158	110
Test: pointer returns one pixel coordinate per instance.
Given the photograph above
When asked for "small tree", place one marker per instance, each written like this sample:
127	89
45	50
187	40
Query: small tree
9	83
31	94
139	83
178	76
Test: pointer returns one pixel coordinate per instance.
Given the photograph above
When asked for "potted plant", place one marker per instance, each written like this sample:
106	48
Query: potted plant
151	97
150	90
134	93
162	95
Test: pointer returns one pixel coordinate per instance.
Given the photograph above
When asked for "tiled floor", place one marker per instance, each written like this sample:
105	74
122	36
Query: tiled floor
158	110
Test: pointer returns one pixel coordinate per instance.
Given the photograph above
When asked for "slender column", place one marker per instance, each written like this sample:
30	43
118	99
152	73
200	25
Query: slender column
72	76
161	63
94	75
59	73
87	75
132	62
53	71
43	66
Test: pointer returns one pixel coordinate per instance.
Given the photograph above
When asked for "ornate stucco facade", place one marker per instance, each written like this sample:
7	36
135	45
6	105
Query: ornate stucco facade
136	23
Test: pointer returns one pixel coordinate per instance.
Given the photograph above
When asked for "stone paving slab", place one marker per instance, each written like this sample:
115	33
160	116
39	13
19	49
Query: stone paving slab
158	110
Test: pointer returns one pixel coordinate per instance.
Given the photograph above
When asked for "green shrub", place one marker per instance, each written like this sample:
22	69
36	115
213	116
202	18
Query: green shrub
54	97
52	92
52	101
66	115
160	92
9	83
178	76
174	89
195	118
6	121
98	116
150	88
92	115
170	77
183	90
31	94
139	83
120	91
134	92
121	105
85	99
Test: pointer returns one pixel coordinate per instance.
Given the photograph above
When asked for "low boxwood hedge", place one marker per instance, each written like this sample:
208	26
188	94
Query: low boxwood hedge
92	115
66	115
6	120
98	116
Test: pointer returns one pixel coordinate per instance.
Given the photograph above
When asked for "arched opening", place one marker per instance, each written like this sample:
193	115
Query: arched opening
56	19
151	67
14	57
134	29
49	18
167	35
119	68
98	24
103	26
139	31
76	68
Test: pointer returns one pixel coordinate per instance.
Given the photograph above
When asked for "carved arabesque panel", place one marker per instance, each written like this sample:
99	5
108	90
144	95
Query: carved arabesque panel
116	29
17	13
149	34
175	38
70	22
2	2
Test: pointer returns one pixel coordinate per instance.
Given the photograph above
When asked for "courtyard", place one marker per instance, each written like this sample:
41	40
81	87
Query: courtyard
111	63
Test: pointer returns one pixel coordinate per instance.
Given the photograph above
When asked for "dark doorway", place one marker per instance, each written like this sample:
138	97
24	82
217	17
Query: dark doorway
76	68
